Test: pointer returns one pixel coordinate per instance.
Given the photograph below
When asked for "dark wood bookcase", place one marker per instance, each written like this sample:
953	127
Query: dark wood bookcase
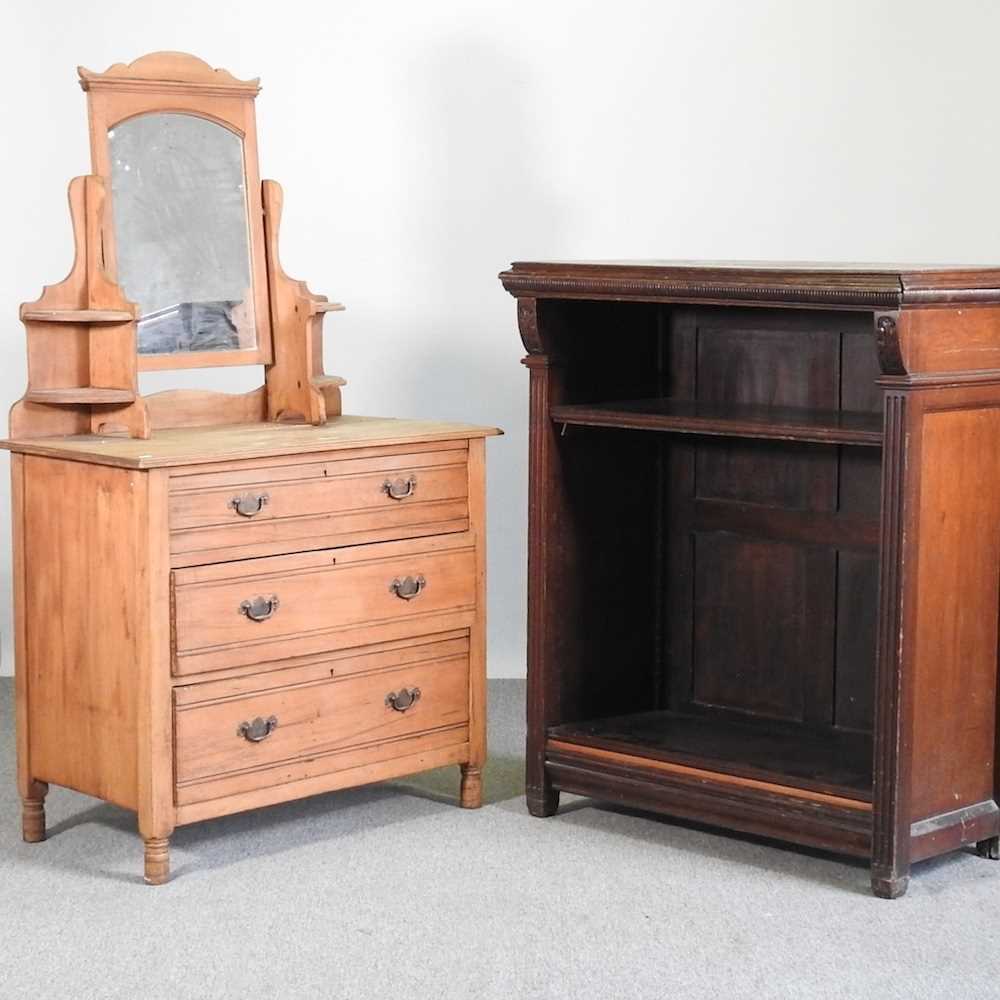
764	549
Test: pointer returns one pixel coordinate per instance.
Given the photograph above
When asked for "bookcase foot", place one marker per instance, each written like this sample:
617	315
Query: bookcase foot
542	801
989	848
890	887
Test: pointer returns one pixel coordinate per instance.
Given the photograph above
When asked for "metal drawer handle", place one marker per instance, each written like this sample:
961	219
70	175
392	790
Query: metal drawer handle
258	730
408	588
403	700
250	504
401	488
260	608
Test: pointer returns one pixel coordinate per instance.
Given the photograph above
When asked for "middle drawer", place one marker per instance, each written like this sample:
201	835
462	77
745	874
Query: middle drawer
248	611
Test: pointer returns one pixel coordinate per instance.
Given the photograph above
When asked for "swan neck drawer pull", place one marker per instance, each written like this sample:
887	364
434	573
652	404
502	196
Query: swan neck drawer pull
258	730
259	609
402	700
408	588
401	488
249	504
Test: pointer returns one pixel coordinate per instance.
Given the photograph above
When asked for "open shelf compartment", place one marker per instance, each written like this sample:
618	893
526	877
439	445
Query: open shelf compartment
834	762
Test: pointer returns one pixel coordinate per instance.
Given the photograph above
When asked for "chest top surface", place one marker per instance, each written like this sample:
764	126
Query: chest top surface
199	445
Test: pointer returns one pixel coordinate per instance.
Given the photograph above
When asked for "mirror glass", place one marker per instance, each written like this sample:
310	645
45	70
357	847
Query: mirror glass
178	188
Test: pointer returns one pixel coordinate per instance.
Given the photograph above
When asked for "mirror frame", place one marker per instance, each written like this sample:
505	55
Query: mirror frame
177	83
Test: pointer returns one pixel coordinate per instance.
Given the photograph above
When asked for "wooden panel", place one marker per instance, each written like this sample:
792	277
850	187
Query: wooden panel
792	476
743	362
800	526
859	390
763	629
955	644
311	669
857	608
239	658
154	723
86	545
319	717
797	815
793	365
382	762
331	495
472	782
352	462
950	831
319	591
950	340
860	487
267	538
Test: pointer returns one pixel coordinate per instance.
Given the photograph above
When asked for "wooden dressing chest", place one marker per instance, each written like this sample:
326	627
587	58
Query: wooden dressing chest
223	601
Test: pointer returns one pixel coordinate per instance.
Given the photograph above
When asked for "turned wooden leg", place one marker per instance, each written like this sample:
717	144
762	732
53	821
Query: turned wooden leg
157	860
989	848
33	818
472	786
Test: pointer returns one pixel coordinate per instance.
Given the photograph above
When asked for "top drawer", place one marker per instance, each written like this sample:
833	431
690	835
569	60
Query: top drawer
265	510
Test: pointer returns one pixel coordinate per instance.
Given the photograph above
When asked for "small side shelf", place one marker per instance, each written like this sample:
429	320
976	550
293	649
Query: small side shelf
686	417
79	394
90	316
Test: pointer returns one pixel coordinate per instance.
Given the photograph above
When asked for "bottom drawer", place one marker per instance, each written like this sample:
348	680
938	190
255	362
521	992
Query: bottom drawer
323	716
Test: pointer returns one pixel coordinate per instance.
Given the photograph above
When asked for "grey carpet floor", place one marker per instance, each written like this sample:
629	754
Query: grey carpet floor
392	891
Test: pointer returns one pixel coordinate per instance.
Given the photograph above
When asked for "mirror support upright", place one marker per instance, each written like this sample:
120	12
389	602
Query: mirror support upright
296	384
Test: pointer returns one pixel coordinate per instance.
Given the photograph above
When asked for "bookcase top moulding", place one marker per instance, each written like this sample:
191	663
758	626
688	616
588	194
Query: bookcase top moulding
799	283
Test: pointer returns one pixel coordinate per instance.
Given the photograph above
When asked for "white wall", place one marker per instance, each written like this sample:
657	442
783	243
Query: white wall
424	145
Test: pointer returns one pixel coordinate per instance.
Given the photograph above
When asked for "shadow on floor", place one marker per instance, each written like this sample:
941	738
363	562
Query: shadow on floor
284	827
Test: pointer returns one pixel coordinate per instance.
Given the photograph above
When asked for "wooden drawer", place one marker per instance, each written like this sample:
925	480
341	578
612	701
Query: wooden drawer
272	509
256	610
327	715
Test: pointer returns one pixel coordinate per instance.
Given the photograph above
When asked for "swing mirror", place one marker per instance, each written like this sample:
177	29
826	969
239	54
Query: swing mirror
175	143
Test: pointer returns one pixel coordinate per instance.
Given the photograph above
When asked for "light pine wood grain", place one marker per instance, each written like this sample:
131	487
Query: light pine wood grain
154	723
305	498
360	767
81	340
84	533
142	525
472	786
319	717
176	82
297	316
191	446
318	593
31	790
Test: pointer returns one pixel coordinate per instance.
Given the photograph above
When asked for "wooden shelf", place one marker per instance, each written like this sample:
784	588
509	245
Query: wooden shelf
77	316
832	761
686	417
79	394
